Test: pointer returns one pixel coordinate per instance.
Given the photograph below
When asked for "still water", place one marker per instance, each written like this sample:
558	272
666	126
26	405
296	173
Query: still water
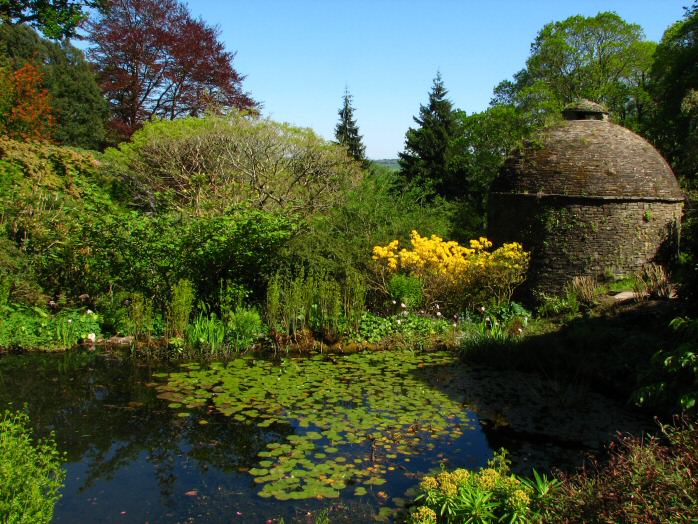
256	440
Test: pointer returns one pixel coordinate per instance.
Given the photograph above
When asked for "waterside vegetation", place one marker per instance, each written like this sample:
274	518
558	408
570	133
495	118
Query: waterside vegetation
200	233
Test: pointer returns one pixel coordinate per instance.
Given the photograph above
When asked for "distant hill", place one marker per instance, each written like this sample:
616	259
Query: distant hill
390	163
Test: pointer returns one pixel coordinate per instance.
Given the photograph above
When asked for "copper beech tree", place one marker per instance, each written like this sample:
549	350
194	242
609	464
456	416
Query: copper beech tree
155	60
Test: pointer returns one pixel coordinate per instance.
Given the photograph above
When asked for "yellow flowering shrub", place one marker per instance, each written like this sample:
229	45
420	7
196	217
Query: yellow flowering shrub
453	275
491	494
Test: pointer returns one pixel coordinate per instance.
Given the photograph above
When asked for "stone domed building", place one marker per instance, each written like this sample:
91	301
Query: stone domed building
586	197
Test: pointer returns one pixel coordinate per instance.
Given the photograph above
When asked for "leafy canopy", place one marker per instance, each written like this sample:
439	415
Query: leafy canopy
601	58
54	18
155	60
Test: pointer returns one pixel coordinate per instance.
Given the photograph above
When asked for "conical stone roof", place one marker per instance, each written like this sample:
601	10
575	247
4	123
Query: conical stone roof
588	158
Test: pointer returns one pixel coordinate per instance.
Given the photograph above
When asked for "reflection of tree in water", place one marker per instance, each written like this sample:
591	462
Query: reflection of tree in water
104	414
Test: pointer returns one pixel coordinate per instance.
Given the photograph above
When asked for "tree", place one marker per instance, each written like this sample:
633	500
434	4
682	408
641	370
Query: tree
25	105
54	18
77	104
427	158
602	58
674	87
155	60
347	132
205	165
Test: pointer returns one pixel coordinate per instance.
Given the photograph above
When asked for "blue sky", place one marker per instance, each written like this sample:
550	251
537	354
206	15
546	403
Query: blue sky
298	55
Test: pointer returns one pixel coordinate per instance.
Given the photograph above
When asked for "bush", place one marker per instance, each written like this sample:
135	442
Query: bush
33	328
491	494
653	281
204	165
584	288
243	328
675	372
643	481
30	473
459	278
406	290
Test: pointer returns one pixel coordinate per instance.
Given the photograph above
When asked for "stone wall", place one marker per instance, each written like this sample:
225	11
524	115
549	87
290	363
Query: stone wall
571	236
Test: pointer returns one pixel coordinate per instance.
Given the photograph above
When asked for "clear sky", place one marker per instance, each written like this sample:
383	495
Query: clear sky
298	55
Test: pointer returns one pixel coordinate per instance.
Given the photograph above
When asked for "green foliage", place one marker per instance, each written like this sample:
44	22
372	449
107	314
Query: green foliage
601	58
407	290
375	212
674	381
481	142
55	18
179	309
140	323
674	85
31	475
76	99
427	158
336	405
347	132
244	327
643	480
415	329
25	327
206	334
314	301
205	165
491	494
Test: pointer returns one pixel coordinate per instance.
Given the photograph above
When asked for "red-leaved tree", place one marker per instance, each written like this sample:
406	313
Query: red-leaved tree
154	59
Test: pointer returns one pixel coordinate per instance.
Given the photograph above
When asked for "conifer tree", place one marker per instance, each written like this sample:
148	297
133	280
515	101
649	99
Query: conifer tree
426	159
347	132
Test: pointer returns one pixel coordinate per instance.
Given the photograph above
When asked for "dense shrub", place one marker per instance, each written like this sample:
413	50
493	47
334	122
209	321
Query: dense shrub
30	473
491	494
378	210
204	165
644	480
455	276
24	327
673	381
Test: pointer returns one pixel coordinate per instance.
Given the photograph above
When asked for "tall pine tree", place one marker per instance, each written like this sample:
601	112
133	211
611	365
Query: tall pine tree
427	158
347	132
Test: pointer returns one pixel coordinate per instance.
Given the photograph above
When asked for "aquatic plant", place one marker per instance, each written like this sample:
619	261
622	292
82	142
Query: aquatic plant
355	417
179	309
31	474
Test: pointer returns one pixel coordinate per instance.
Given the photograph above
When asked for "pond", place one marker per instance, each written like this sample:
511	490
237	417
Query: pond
256	440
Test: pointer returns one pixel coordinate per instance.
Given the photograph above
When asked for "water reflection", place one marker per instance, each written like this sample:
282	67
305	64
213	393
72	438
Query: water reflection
133	459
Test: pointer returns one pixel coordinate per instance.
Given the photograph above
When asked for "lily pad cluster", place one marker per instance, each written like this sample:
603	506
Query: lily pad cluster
355	417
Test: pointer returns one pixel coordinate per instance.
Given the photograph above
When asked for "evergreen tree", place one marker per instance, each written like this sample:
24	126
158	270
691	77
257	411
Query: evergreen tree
78	106
347	132
427	159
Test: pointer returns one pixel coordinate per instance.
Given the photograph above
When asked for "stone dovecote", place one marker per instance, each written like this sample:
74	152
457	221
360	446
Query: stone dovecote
586	197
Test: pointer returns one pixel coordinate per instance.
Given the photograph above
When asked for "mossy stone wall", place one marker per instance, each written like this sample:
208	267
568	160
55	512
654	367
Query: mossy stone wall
597	236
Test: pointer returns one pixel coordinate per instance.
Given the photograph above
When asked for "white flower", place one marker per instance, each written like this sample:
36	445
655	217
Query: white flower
394	301
482	309
402	305
438	313
92	337
405	313
437	306
70	321
90	312
399	321
455	325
